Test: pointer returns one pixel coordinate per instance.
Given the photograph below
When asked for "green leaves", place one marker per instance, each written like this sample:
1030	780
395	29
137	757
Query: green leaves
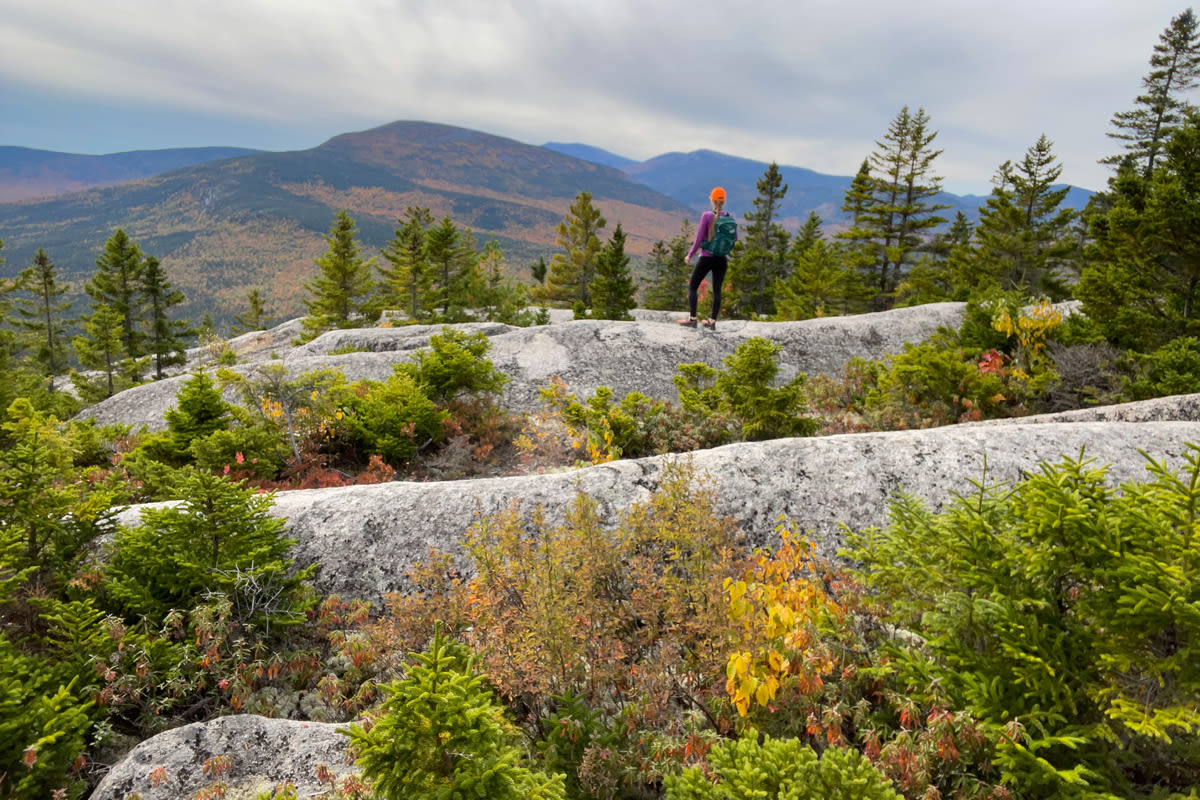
1063	613
441	735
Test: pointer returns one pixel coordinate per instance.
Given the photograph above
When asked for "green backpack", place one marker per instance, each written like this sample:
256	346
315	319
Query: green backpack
722	236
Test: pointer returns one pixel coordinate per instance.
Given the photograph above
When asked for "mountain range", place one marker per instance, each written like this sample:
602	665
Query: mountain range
224	221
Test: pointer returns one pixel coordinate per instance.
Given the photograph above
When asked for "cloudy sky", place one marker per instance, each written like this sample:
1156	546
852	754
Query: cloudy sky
811	83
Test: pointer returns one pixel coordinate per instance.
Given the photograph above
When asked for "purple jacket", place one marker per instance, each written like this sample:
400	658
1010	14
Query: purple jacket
703	232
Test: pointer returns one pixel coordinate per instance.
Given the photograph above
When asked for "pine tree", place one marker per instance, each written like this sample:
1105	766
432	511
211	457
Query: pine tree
166	340
612	288
407	284
1026	241
118	284
42	316
671	271
1174	69
341	290
571	273
538	270
255	318
761	260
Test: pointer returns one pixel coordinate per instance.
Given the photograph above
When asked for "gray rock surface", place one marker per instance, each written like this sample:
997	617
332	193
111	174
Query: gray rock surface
627	356
366	537
260	752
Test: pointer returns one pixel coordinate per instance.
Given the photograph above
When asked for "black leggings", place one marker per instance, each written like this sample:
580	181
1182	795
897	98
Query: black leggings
717	266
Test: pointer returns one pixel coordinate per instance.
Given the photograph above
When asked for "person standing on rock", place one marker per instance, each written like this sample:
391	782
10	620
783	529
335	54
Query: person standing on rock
715	237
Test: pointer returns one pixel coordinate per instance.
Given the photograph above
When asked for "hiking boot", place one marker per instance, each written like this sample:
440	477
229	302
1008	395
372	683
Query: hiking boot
711	324
689	322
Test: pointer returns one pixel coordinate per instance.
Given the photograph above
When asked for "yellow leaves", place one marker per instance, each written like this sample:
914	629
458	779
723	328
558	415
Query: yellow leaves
1032	327
778	607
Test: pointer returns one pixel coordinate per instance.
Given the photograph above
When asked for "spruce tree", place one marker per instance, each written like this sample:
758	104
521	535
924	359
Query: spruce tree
100	348
859	250
612	288
1141	279
341	290
903	210
670	271
454	265
255	318
571	272
118	284
498	298
442	734
1026	240
817	286
408	283
42	315
1174	70
166	339
762	259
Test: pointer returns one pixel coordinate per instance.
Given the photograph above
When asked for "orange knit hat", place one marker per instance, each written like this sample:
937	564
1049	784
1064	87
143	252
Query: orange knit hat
717	194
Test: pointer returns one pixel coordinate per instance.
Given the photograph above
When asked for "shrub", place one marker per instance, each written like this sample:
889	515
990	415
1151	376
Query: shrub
394	419
1062	614
744	391
1172	369
781	768
43	728
454	366
441	734
220	539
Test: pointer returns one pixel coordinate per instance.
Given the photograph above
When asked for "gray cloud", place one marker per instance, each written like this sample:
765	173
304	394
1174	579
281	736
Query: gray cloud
811	83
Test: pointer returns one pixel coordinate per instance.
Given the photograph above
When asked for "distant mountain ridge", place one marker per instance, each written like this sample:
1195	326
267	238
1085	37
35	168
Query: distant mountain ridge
27	174
688	177
223	227
224	221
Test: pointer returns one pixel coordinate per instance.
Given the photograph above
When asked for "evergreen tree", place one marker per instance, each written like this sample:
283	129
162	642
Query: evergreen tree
118	285
341	290
221	538
902	211
671	271
817	286
571	272
1141	280
42	316
499	299
166	340
199	411
762	259
1174	69
1026	240
454	265
408	283
255	318
808	235
859	251
612	288
442	734
538	270
101	348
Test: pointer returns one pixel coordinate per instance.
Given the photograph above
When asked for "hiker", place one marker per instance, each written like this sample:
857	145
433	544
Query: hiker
714	239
